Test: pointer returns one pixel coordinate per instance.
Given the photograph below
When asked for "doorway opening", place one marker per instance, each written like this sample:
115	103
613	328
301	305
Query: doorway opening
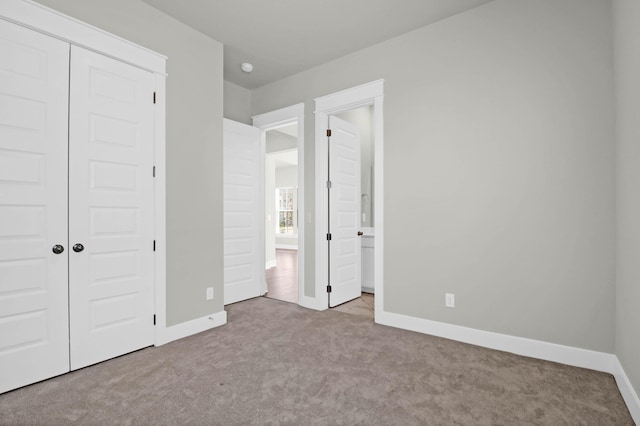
281	213
340	116
282	144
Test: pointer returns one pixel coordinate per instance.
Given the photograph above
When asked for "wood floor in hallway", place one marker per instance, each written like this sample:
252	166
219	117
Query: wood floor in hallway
282	284
282	279
362	306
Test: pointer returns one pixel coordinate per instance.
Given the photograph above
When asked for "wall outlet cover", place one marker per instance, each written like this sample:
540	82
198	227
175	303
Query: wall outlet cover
450	300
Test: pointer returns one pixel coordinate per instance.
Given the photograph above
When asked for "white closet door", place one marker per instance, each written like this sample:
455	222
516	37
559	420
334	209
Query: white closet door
110	208
34	329
243	231
344	212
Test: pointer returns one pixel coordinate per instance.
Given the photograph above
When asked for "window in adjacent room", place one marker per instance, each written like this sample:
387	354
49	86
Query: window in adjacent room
286	201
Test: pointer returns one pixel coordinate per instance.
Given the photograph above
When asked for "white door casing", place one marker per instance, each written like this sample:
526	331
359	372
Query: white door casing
345	268
34	330
243	170
111	206
371	93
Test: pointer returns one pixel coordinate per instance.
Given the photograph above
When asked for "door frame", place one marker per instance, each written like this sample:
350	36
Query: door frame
371	93
271	121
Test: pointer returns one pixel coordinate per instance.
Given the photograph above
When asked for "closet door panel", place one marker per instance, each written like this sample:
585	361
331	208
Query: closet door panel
34	328
111	208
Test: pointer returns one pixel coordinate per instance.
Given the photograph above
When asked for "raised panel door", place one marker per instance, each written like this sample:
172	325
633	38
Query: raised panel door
243	265
111	208
344	212
34	328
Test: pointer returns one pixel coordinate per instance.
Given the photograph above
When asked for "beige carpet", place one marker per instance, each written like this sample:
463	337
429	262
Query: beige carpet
277	363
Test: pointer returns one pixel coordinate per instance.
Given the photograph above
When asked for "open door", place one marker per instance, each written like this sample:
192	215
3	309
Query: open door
344	212
243	228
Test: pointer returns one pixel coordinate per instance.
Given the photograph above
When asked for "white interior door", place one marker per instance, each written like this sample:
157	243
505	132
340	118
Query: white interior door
344	212
110	208
243	221
34	330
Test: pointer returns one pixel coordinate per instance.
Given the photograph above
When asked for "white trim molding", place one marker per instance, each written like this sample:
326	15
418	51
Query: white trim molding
627	391
272	120
185	329
286	246
568	355
371	93
351	98
160	210
518	345
280	117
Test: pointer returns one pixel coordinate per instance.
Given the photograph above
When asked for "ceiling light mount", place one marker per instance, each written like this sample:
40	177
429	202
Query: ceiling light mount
246	67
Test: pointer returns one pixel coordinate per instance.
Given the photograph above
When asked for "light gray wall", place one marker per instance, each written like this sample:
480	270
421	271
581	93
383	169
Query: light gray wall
237	103
277	141
287	177
499	167
627	64
194	145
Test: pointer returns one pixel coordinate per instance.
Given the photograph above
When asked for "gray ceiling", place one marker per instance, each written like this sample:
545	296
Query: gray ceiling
283	37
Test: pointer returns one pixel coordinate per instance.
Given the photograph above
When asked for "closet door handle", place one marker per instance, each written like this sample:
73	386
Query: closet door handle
360	233
57	249
78	247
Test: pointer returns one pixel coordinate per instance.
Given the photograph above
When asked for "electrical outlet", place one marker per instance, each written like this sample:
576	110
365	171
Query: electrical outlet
209	293
450	300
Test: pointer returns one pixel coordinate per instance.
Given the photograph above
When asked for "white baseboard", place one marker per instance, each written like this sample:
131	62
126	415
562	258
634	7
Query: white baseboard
568	355
287	246
198	325
518	345
312	303
270	264
627	391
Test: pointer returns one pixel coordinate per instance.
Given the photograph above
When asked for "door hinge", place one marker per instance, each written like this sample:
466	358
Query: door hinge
154	171
328	133
328	184
154	245
329	288
154	97
154	319
329	237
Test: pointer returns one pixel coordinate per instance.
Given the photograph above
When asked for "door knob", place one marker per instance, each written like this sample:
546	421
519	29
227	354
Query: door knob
360	233
57	249
78	247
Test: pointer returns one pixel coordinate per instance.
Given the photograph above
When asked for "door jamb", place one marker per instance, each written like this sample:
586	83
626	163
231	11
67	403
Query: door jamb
270	121
160	213
371	93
